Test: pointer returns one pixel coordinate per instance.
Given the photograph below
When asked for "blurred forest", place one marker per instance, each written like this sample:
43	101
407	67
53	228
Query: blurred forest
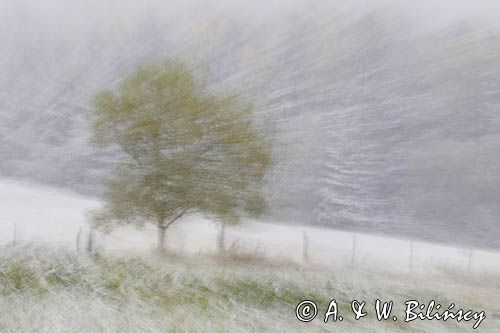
384	122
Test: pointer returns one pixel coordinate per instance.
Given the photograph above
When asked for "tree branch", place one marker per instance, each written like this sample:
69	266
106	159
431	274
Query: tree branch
178	216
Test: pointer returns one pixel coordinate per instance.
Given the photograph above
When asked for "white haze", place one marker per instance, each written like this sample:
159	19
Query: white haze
386	113
40	214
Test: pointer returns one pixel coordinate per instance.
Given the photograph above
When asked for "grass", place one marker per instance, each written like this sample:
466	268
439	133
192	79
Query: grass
55	290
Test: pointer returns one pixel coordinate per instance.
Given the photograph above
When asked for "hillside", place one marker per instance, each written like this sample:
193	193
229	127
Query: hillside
384	121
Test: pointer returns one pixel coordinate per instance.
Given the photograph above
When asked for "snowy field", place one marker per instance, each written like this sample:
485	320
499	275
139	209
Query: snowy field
30	213
48	287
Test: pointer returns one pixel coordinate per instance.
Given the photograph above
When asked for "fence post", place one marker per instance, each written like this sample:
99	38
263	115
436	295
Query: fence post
411	254
469	260
78	237
305	246
90	242
353	255
14	234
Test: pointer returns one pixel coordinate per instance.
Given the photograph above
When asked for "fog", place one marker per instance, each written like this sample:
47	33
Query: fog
386	114
38	214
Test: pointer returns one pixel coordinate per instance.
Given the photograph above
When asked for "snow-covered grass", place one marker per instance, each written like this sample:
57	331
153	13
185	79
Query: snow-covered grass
45	286
55	290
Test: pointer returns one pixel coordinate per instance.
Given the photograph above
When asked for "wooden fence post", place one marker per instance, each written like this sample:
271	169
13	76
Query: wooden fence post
78	238
411	254
469	260
90	241
305	246
14	235
353	254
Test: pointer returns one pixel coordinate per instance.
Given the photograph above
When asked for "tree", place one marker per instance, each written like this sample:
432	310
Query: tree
185	151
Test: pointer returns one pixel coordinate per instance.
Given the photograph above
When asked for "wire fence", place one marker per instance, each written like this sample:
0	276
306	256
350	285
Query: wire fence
303	245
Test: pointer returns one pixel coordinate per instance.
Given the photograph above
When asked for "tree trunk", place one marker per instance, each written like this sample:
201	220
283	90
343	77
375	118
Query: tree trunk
162	228
220	238
161	237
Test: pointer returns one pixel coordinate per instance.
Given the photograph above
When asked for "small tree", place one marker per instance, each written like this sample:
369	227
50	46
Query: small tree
185	151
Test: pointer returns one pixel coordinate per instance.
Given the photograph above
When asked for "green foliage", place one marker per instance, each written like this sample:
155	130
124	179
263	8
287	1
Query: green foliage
18	277
42	288
185	283
186	150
